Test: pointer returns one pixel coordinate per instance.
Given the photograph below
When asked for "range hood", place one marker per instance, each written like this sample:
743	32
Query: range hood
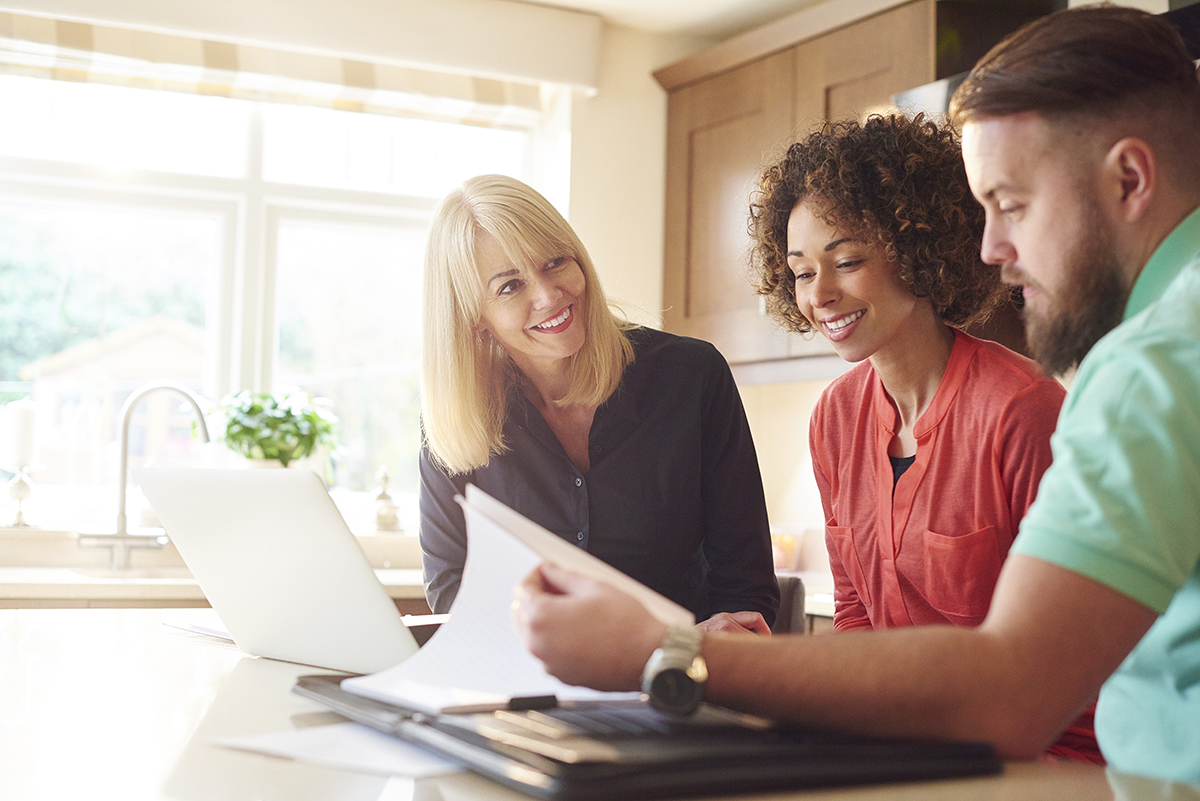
967	29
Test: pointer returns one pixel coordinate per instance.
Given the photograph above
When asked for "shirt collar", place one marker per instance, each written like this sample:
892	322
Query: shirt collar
621	403
624	401
1179	248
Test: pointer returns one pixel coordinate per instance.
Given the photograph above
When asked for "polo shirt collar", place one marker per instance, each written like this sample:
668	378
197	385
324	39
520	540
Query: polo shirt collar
1168	260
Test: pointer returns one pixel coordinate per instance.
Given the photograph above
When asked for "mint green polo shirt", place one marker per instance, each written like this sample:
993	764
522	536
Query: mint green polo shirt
1121	505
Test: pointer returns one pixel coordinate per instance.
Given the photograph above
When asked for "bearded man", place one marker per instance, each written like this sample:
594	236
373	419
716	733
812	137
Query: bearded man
1081	138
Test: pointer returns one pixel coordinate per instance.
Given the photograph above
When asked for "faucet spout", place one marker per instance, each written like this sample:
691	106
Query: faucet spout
127	414
122	542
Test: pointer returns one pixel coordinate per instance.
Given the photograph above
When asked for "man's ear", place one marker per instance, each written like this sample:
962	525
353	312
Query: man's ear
1133	172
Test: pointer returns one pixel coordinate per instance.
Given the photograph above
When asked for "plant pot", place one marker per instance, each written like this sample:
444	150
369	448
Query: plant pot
264	464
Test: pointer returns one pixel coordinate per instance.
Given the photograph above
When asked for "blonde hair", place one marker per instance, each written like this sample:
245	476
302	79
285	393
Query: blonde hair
465	375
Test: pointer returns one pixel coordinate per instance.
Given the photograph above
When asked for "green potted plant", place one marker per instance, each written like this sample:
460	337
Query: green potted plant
287	425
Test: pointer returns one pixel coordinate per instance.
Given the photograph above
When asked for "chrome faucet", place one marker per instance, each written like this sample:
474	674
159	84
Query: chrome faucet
123	542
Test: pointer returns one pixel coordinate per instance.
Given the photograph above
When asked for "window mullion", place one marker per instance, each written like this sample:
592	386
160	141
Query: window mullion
253	341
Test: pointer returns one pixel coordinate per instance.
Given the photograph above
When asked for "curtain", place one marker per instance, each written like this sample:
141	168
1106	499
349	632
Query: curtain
74	51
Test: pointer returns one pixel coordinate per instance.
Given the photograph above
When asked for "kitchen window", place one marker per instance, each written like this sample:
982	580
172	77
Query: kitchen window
222	243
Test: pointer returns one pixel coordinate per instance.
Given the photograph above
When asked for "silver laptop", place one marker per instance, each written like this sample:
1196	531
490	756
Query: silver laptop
279	565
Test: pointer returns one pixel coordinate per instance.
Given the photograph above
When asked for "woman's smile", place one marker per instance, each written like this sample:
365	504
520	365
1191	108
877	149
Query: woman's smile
840	327
557	323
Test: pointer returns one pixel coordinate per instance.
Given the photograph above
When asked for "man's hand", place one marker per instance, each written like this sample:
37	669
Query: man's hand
586	632
736	622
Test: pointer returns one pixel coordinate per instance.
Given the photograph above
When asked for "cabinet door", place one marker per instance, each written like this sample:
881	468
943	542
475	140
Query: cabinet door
722	130
719	134
855	70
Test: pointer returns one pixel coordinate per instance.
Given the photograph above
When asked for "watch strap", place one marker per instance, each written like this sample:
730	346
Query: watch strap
680	650
684	639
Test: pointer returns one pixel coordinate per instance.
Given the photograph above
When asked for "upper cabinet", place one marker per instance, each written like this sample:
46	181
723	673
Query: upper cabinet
722	129
734	108
719	132
855	70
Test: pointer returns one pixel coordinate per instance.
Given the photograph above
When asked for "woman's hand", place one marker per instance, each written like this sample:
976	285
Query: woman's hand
586	632
736	622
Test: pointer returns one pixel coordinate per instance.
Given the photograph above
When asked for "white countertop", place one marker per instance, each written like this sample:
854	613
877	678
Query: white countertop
41	568
47	568
111	704
164	586
174	586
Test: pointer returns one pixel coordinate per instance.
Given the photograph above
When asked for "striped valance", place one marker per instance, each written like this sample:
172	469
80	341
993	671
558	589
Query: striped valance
75	51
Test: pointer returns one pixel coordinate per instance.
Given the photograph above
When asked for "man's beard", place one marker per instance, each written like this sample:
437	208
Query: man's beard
1092	304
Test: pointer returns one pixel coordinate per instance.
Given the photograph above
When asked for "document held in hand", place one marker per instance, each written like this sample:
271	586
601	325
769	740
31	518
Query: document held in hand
476	661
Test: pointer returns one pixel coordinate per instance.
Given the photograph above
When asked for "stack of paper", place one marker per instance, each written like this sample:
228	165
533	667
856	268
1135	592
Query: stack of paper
476	659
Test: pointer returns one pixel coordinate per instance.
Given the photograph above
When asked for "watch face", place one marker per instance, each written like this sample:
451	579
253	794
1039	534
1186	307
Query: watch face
672	690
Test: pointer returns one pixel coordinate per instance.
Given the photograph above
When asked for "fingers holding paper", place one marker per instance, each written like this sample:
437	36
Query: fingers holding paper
736	622
585	631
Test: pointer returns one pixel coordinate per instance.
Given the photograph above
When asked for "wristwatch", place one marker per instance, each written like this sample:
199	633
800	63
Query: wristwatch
675	675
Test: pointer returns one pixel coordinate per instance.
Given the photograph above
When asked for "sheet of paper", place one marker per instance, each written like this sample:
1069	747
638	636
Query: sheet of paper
214	633
345	745
476	657
555	549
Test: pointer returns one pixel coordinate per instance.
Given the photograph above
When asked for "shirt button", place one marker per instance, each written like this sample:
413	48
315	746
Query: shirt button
579	536
578	483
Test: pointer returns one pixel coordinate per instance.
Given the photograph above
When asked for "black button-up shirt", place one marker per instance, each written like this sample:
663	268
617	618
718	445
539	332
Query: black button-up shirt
673	498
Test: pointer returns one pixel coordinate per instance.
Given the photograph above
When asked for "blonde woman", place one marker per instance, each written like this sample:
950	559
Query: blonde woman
630	442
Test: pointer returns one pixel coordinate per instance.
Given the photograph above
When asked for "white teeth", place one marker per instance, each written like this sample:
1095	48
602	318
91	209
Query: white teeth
559	320
838	325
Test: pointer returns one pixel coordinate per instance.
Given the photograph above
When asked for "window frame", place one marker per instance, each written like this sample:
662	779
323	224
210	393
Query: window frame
241	335
241	330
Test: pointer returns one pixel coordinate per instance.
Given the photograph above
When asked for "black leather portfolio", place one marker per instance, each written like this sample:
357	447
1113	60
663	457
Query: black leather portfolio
618	749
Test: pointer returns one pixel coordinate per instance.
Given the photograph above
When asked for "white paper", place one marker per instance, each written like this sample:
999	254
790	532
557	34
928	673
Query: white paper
345	745
216	634
476	657
553	548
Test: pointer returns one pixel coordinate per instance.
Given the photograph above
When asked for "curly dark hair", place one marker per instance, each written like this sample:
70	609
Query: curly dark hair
891	179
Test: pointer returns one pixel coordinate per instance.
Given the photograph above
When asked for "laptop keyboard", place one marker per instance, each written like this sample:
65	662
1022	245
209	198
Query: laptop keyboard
617	720
561	722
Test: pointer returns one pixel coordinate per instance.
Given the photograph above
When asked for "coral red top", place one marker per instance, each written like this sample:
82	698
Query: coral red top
929	549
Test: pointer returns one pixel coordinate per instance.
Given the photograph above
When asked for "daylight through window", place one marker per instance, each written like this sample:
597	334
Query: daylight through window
222	244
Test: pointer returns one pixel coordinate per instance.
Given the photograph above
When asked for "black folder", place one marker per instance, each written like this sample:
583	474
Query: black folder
608	750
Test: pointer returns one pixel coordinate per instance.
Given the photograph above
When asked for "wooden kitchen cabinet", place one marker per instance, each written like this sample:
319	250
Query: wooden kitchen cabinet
721	130
855	70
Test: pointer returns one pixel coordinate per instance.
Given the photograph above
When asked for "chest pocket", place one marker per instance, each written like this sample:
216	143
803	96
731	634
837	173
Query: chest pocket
961	573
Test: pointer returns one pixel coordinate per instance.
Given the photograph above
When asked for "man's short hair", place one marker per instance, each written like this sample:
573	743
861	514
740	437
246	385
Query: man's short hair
1092	62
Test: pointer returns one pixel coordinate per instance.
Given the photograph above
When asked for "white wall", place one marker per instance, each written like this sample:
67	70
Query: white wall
618	165
778	415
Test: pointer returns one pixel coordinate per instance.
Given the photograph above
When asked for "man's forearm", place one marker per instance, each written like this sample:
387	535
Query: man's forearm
1050	640
937	682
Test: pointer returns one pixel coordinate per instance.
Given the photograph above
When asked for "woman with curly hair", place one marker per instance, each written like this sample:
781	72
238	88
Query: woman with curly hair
929	452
